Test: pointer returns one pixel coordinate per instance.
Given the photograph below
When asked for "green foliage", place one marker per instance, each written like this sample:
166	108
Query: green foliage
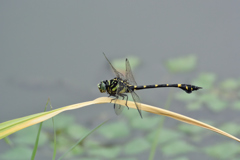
75	148
214	102
236	105
114	130
38	136
75	130
28	136
231	127
20	152
181	158
205	80
126	159
183	64
62	122
176	148
136	146
227	150
189	128
110	152
165	136
130	135
229	84
146	123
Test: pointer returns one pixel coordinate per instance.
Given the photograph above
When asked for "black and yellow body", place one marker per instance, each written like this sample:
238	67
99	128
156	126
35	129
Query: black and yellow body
120	85
117	85
186	87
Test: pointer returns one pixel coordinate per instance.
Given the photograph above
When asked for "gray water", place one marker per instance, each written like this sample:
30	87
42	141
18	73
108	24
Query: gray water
53	49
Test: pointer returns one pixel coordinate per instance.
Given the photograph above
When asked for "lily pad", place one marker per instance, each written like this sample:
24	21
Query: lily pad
135	146
236	105
75	131
205	80
231	128
28	136
114	130
165	135
229	84
183	64
224	151
17	153
145	124
176	148
110	152
181	158
187	128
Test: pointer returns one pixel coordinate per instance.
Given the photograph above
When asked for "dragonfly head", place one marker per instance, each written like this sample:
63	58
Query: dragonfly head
102	87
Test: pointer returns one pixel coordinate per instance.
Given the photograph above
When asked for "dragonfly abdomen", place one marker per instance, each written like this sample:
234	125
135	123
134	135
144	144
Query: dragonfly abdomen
186	87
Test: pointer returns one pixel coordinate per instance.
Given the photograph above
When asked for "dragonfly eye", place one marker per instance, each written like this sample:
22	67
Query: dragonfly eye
102	87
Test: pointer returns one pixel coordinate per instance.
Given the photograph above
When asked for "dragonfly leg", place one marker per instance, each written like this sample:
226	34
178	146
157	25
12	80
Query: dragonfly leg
124	95
113	99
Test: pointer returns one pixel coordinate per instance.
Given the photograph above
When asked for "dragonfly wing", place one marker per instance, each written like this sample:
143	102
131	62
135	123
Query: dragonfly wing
136	100
118	108
129	75
117	74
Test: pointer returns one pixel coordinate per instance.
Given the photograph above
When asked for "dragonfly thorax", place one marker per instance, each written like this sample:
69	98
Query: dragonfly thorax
113	87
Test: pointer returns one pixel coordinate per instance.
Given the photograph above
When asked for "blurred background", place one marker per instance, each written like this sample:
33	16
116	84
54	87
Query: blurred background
54	50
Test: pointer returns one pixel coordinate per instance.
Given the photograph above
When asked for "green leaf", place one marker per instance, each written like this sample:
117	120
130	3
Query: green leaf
213	102
62	121
194	105
224	151
62	142
77	150
236	105
146	123
205	80
38	136
81	139
54	140
20	152
110	152
8	141
164	136
92	144
132	114
177	147
114	130
126	158
28	136
217	105
183	64
136	146
89	158
229	84
231	128
181	158
75	130
190	129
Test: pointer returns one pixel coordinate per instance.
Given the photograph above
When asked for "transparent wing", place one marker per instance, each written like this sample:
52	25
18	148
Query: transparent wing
118	108
117	74
129	75
136	100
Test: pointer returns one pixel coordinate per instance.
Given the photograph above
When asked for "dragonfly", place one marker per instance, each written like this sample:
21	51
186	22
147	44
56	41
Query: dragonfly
119	86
